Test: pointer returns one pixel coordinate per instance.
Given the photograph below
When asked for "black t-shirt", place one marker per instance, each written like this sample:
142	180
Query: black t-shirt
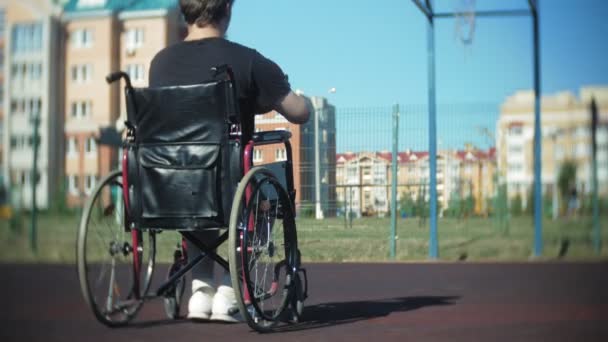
260	83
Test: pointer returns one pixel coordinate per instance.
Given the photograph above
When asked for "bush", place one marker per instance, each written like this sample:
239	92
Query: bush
307	210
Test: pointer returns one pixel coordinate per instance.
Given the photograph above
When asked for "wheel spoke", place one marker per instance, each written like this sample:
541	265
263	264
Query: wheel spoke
111	289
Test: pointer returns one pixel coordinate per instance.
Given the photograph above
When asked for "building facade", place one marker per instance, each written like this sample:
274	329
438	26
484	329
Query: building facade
103	37
304	158
566	136
33	100
364	179
2	43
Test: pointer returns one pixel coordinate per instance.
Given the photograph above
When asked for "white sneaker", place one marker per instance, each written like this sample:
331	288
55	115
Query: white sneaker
201	302
225	308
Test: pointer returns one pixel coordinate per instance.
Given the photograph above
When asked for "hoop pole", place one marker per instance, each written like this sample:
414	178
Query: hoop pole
538	200
423	9
509	13
433	245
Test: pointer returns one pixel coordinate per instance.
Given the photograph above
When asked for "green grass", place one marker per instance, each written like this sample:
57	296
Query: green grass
330	240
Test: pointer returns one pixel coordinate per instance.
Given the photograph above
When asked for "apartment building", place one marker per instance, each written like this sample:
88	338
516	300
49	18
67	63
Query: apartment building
566	135
476	176
2	40
364	178
32	97
303	149
103	37
363	181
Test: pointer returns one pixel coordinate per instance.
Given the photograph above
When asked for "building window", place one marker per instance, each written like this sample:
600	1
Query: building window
26	38
379	171
26	178
91	3
280	154
81	109
82	73
583	150
134	38
582	132
18	142
559	152
34	107
516	149
515	167
90	147
257	156
82	38
73	184
351	172
72	147
515	130
136	72
89	183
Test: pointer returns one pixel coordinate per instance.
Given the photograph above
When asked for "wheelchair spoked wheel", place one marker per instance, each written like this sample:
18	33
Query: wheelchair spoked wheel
262	249
115	266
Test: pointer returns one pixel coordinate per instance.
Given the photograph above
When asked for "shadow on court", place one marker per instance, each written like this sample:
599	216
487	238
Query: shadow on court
331	314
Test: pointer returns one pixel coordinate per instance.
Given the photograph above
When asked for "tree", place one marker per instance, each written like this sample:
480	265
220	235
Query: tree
407	204
566	179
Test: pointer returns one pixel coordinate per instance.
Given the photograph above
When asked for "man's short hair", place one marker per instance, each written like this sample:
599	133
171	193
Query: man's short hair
204	12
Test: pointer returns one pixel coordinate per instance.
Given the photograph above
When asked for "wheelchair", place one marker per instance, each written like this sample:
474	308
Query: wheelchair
185	167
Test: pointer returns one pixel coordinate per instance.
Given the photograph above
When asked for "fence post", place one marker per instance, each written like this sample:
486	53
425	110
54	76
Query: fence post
538	194
394	179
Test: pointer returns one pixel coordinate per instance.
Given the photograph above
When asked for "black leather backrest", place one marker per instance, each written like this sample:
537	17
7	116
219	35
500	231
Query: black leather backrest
180	114
184	167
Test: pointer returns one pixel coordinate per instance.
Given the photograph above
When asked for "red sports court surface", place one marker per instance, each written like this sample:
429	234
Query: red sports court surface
348	302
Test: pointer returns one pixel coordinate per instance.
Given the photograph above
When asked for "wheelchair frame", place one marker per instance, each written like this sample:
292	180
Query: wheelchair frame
296	282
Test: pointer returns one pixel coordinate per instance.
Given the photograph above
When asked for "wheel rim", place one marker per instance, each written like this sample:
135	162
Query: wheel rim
106	255
267	254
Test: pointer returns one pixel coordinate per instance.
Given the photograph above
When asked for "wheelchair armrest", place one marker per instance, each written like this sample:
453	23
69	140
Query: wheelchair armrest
271	137
109	136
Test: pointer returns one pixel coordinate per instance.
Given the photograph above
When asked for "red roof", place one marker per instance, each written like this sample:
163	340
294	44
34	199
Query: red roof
414	156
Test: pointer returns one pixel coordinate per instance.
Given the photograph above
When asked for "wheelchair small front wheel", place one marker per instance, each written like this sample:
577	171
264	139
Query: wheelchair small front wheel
172	299
115	266
262	249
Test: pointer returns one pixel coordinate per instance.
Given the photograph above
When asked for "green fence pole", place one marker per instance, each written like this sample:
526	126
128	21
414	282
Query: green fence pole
394	176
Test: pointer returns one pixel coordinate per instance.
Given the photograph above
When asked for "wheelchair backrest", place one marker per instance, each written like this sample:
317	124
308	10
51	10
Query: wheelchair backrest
182	166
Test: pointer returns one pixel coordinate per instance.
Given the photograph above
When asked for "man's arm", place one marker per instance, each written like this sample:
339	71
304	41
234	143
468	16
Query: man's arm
295	108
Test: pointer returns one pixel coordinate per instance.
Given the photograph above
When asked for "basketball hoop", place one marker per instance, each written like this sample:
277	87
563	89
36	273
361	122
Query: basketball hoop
464	25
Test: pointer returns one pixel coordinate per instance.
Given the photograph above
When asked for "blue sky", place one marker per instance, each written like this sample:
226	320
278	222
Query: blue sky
374	53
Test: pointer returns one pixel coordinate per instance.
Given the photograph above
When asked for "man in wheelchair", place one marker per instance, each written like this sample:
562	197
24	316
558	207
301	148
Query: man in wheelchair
261	86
